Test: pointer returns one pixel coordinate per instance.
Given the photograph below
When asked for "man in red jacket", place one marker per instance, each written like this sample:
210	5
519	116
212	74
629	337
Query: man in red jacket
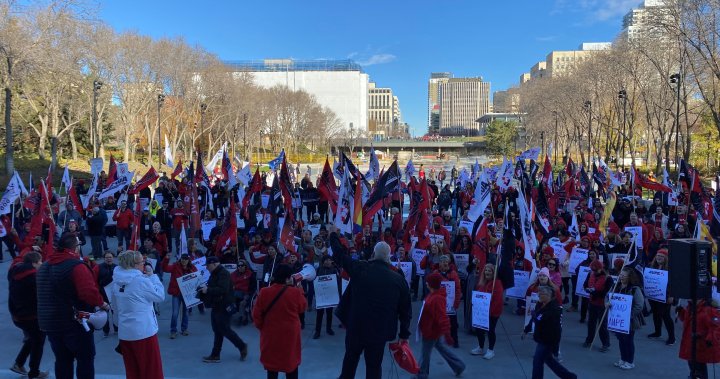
124	218
433	324
448	274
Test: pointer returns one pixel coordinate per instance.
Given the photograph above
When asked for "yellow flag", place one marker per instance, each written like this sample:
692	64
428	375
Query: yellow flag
703	233
605	219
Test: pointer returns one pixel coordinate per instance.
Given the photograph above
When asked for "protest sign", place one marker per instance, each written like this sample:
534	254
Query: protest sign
461	262
468	225
406	268
577	256
417	256
450	298
434	238
326	291
188	288
655	284
207	227
110	214
314	229
96	165
619	313
637	233
481	310
530	303
201	269
583	273
449	228
522	280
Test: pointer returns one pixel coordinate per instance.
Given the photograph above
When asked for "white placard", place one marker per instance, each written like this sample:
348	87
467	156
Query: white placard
583	273
558	249
461	262
406	269
230	267
201	269
264	200
417	256
188	288
449	228
522	281
344	285
110	213
450	292
481	310
577	256
326	291
96	165
530	303
467	225
314	229
655	284
153	262
122	169
619	313
434	238
637	232
672	199
207	227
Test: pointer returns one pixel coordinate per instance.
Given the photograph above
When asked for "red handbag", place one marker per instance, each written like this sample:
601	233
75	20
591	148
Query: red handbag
404	357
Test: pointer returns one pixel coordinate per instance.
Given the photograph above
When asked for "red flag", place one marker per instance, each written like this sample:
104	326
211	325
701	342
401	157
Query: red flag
228	236
136	226
287	236
73	196
256	186
112	171
149	178
547	172
327	187
642	181
178	170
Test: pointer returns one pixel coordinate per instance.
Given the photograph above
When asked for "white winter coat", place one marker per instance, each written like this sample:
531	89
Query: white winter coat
132	299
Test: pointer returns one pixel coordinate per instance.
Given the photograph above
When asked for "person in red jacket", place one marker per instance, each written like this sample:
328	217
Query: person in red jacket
450	275
433	324
160	242
396	224
177	270
124	219
180	219
244	285
706	342
439	229
489	283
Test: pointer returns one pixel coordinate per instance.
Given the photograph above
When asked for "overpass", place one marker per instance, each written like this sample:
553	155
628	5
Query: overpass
412	148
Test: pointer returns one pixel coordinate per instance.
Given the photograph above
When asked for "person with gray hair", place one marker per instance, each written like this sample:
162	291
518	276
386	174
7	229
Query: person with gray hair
134	289
376	299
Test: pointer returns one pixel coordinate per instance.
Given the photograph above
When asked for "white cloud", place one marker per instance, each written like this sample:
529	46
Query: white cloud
613	8
377	59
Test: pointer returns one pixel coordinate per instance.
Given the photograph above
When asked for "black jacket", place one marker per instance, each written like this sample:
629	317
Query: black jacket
548	323
22	299
376	298
96	224
219	289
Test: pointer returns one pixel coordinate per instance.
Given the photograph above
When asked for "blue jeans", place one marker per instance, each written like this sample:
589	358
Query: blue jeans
177	303
544	356
74	345
456	365
627	346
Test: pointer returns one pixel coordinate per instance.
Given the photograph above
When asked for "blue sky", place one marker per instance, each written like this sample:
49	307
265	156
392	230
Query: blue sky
399	43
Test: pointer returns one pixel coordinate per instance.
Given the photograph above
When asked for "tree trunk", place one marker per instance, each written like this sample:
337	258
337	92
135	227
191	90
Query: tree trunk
9	151
73	144
126	151
53	152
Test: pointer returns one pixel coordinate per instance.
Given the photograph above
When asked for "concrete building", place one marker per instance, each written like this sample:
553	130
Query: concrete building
381	110
559	63
538	70
462	102
524	78
340	85
436	78
507	101
641	22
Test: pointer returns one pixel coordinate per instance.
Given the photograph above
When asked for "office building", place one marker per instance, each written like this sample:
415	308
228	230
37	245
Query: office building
559	63
642	22
507	101
436	78
462	102
381	109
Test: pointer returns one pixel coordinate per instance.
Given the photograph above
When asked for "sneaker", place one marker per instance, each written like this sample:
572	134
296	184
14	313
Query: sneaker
605	349
173	335
619	363
42	375
18	369
627	366
211	359
330	332
477	351
243	352
185	333
489	354
670	342
654	335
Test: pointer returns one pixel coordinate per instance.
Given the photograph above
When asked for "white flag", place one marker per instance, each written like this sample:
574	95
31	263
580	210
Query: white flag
529	238
183	242
481	200
346	204
374	170
66	179
85	199
218	156
505	175
168	154
244	175
12	192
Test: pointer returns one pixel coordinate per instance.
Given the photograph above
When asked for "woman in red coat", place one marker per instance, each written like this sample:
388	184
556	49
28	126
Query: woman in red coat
277	315
708	330
495	289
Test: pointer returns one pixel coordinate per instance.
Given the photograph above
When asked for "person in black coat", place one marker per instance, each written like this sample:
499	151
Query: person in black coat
22	303
371	307
547	318
96	230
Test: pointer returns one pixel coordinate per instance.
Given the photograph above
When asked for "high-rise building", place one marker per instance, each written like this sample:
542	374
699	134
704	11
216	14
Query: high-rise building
524	78
507	101
645	21
436	78
381	109
339	85
462	102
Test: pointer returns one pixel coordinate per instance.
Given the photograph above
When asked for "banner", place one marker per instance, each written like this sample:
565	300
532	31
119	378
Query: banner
577	256
406	269
619	313
481	310
326	291
12	192
522	281
96	166
450	291
116	186
201	270
188	288
582	276
655	284
530	303
417	256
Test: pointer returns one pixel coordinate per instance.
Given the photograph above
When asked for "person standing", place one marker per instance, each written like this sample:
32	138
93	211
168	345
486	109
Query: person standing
547	319
327	267
433	324
135	288
123	229
176	270
629	286
489	283
104	276
661	310
371	307
22	303
96	230
218	294
277	315
597	284
66	285
450	275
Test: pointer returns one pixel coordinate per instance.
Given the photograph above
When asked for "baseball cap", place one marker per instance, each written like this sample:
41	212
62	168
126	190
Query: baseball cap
211	260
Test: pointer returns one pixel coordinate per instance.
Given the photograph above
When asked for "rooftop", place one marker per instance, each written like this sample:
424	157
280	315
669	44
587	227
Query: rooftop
270	65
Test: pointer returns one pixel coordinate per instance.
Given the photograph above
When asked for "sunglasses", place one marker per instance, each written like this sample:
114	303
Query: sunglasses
552	265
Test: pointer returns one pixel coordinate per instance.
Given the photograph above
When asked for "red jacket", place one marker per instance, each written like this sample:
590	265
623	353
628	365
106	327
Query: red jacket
496	296
280	327
179	218
452	275
176	270
160	243
241	282
124	218
708	329
434	323
82	277
396	224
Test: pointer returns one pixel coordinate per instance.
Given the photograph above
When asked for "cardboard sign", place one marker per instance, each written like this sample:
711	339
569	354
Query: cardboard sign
110	213
406	269
314	229
481	310
468	225
619	313
461	262
655	284
530	303
96	165
344	284
326	291
638	235
450	292
522	281
207	227
577	256
201	270
583	273
417	256
188	288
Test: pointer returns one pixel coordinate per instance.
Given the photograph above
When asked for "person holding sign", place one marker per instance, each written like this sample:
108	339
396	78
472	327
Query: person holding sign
327	267
597	285
661	310
488	283
543	280
134	289
450	275
433	323
628	285
176	270
547	319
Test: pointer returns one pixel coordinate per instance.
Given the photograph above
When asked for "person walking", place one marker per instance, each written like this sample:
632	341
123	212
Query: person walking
597	284
135	287
450	275
218	295
66	285
547	322
434	323
176	270
373	303
277	315
628	285
22	303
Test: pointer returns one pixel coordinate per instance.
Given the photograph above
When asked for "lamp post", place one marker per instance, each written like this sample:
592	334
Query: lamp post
675	79
160	101
94	127
588	106
556	135
623	95
542	140
245	137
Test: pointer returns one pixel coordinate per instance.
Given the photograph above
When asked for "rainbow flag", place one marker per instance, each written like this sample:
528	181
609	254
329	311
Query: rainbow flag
357	215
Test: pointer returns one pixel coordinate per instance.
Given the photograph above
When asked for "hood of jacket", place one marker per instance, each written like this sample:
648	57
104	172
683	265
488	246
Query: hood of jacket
123	276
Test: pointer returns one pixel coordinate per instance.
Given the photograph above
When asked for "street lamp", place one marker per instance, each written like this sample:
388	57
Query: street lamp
245	137
623	95
588	106
675	79
556	134
160	101
94	127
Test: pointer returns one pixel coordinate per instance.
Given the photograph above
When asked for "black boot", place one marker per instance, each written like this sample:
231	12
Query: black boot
316	335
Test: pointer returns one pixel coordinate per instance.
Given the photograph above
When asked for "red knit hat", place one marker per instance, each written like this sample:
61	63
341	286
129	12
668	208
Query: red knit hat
663	252
433	280
596	265
549	251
